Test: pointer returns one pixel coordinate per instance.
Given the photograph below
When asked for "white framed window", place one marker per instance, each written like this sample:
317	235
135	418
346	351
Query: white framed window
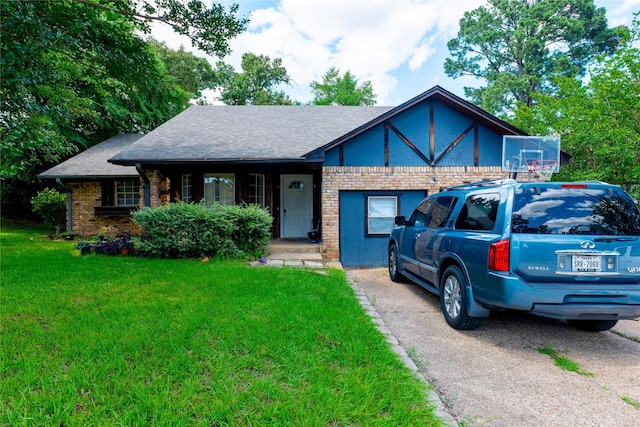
219	188
128	192
381	213
187	189
256	189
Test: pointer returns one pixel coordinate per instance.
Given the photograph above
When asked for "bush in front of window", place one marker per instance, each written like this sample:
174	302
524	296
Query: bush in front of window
51	206
183	230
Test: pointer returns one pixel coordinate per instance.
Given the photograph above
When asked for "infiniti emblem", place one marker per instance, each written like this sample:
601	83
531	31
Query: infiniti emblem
587	244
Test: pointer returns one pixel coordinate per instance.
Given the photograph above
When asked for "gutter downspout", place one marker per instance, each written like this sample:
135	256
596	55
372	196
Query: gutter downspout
146	187
69	204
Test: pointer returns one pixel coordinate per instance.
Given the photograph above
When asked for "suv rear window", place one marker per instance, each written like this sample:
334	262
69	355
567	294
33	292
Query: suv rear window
574	211
479	212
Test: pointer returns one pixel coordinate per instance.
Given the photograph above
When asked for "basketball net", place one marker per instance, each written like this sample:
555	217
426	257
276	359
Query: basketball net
543	168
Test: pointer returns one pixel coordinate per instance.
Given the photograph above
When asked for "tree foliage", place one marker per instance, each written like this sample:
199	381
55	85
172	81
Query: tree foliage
76	72
342	90
517	45
256	84
51	206
192	73
209	28
598	120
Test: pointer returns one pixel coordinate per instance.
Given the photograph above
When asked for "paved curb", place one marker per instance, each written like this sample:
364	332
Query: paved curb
440	411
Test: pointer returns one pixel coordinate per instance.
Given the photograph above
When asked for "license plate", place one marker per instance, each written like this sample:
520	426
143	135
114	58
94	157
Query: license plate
585	263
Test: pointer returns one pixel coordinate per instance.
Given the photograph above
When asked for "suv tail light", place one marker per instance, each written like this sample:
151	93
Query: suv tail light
499	255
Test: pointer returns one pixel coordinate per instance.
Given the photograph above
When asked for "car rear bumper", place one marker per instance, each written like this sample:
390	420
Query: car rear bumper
588	301
587	311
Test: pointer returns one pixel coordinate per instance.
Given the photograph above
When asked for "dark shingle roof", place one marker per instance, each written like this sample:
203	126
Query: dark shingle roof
246	133
92	163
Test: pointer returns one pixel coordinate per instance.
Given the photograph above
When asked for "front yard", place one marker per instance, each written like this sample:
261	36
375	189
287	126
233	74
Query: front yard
115	340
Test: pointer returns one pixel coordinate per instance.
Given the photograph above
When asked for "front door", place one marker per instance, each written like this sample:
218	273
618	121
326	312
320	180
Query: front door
296	213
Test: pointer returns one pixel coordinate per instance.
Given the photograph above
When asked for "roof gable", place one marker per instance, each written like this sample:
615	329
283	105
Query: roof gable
438	94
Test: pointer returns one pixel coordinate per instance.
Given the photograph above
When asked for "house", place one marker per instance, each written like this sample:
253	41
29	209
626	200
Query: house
345	170
99	194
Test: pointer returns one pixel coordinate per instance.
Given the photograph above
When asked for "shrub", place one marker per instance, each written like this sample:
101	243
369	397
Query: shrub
51	206
182	230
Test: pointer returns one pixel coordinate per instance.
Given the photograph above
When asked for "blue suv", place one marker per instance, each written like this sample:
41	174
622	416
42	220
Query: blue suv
560	250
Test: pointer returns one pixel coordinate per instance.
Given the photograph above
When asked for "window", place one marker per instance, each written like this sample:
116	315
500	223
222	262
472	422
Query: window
419	217
219	188
574	211
479	212
256	189
128	192
441	210
187	189
381	213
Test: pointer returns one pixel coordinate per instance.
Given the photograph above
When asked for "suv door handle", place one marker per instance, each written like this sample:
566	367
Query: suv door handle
417	235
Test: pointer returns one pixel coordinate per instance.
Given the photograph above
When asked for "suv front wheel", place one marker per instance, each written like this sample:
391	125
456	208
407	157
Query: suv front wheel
453	300
394	268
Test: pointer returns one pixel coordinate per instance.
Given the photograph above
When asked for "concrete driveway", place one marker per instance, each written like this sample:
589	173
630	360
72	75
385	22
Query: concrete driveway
495	375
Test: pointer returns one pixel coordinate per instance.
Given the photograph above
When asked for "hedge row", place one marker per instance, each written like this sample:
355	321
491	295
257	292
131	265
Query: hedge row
182	230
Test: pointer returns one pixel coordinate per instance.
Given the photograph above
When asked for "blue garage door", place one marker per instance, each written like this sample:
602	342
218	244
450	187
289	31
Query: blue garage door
365	220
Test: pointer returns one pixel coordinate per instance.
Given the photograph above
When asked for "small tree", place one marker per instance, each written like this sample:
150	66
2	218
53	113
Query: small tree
51	206
256	84
342	90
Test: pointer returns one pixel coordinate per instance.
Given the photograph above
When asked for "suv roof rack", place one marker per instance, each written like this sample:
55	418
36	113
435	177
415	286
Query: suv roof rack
480	184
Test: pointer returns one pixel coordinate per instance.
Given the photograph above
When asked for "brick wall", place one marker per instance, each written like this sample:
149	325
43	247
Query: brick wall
159	188
85	195
370	178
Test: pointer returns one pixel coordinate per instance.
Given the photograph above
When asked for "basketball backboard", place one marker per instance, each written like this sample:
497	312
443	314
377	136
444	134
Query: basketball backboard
527	153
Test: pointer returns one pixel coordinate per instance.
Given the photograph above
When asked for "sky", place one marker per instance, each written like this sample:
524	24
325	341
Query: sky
398	45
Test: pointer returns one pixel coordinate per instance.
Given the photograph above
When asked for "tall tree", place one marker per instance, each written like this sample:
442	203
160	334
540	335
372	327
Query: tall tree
517	45
342	90
256	84
209	28
76	72
192	73
598	120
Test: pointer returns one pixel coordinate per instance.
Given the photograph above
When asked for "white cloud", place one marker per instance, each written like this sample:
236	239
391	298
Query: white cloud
619	12
371	38
419	55
377	40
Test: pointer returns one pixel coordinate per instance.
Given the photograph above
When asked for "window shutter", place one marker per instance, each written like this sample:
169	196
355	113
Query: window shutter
108	196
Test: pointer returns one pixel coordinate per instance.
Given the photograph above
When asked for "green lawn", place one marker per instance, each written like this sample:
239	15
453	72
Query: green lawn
101	340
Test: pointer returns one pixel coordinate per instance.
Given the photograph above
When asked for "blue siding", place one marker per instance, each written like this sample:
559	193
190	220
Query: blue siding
491	152
449	125
357	249
368	149
332	157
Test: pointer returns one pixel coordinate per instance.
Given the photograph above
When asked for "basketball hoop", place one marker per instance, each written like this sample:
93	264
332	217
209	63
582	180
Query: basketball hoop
544	168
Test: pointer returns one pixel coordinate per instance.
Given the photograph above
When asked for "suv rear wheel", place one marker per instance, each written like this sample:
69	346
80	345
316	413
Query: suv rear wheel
453	300
593	325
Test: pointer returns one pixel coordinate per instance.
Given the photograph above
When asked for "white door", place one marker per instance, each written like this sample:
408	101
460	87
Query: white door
296	212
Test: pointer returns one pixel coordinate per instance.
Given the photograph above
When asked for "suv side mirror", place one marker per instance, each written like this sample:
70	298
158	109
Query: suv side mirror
400	220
